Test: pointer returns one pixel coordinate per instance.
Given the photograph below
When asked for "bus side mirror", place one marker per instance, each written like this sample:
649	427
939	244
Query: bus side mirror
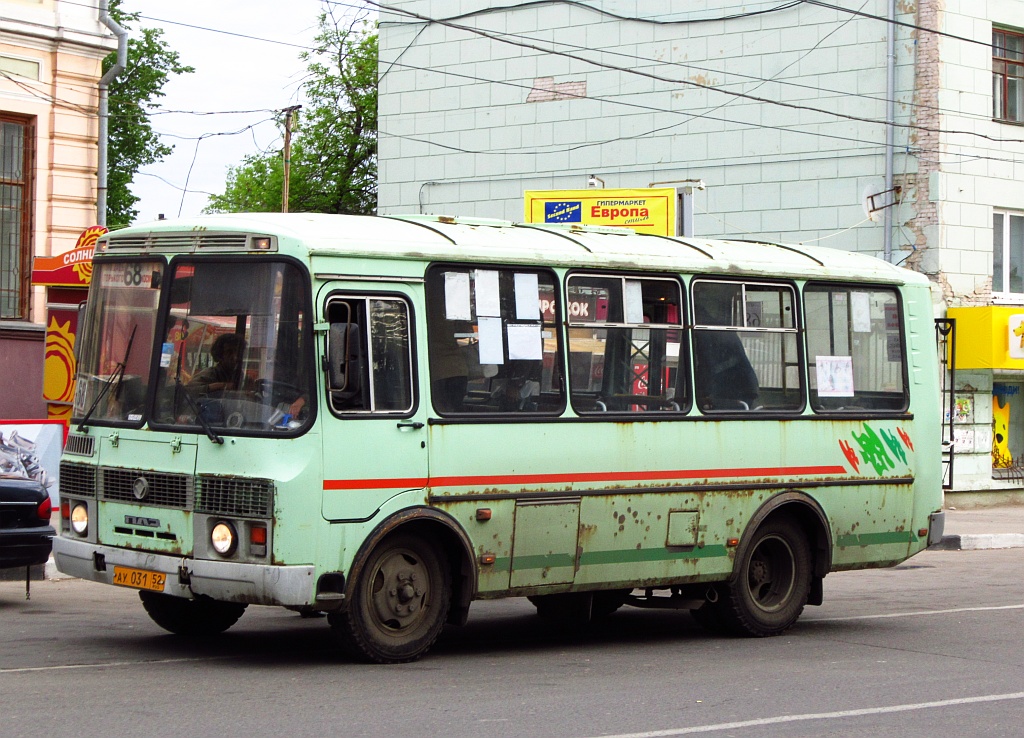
345	365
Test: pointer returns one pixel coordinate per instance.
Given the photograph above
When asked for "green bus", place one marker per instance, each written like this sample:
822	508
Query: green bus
384	419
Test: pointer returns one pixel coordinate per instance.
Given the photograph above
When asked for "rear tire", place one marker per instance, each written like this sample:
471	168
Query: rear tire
201	617
772	581
399	603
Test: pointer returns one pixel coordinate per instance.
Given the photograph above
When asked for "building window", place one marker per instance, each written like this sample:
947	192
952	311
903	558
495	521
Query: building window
1008	254
15	216
1008	75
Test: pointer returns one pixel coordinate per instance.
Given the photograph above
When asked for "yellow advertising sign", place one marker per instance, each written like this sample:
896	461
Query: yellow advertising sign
644	210
989	337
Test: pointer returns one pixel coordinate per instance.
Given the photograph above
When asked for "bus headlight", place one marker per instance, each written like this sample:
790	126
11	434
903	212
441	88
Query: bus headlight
80	519
223	538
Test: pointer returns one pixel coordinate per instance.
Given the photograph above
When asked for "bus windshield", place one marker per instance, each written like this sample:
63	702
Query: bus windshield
230	347
120	321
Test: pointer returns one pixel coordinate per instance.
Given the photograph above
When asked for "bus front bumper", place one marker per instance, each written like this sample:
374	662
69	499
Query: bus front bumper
228	581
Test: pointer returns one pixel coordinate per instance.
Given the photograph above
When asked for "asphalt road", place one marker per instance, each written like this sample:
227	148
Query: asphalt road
931	647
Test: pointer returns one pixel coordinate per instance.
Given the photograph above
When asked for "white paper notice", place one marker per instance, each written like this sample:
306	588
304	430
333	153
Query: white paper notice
634	301
456	296
524	342
860	308
492	345
527	297
835	376
487	302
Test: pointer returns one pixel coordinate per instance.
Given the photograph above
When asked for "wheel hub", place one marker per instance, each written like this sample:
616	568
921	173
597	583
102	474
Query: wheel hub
399	593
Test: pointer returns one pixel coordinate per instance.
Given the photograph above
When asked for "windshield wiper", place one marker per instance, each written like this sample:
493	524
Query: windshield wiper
114	380
180	389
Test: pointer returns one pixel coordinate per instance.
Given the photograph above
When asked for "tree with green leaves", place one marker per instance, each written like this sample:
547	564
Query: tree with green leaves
131	141
334	146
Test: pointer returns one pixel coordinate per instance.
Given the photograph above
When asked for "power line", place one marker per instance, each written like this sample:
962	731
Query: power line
691	83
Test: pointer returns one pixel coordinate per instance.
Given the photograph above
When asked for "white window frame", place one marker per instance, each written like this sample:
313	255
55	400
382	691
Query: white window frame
1006	295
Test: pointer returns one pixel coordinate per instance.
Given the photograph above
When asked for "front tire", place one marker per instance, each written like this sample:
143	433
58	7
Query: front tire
399	603
196	618
772	581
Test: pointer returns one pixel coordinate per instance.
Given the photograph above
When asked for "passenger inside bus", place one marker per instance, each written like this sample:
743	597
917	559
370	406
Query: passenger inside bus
725	378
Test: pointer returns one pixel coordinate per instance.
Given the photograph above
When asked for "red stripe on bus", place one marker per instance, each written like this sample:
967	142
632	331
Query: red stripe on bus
546	479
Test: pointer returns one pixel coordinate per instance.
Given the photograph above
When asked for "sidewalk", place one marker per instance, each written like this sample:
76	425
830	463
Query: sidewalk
987	527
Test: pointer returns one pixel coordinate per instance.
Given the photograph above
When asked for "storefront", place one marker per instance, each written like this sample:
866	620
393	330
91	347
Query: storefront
988	416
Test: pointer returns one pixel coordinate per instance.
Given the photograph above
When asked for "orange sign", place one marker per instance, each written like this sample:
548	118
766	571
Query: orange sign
70	269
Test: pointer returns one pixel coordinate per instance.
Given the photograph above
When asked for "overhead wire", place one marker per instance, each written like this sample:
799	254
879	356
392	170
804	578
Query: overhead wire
507	39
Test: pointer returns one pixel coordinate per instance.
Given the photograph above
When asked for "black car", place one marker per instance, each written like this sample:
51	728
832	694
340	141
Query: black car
25	529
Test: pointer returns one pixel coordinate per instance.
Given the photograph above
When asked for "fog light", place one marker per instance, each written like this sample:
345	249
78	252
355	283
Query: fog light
223	538
80	519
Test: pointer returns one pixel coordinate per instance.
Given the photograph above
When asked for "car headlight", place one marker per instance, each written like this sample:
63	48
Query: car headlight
223	538
80	519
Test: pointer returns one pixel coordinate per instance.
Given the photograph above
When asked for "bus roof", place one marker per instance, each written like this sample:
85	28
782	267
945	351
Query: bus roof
441	238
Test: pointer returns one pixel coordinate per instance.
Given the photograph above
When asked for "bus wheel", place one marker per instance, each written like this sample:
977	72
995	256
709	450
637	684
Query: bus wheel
399	603
772	582
194	618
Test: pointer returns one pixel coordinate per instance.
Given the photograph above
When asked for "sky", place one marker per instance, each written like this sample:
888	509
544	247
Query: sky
232	74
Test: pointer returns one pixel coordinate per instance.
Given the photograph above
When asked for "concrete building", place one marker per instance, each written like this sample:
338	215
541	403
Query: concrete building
881	127
50	59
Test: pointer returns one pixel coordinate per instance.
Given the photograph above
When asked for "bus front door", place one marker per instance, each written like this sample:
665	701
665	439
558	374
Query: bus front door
373	425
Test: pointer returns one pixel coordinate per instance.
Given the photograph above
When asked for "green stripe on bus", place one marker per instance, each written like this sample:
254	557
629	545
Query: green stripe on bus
874	539
603	558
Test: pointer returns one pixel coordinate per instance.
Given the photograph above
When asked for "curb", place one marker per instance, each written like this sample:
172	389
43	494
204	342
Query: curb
979	541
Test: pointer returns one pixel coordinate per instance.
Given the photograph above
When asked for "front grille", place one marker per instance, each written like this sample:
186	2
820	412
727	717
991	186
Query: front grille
237	496
162	490
79	445
77	480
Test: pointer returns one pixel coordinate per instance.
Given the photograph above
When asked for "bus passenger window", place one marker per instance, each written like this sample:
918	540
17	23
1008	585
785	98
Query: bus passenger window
369	356
745	347
855	348
625	336
492	341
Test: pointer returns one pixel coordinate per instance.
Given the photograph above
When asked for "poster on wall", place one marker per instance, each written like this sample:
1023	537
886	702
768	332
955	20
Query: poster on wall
30	449
1015	339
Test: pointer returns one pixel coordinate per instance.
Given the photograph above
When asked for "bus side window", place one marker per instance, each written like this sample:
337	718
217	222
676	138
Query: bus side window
625	345
493	342
855	348
745	346
369	354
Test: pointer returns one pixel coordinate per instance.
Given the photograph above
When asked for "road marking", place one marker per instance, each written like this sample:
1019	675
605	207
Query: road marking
820	716
60	667
918	613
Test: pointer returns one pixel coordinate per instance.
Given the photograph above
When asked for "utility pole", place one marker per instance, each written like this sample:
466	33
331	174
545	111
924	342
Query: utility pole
288	113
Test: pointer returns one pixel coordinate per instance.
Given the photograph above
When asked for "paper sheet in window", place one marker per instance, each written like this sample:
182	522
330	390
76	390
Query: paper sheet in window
634	302
527	297
834	375
492	344
525	342
456	296
860	312
487	294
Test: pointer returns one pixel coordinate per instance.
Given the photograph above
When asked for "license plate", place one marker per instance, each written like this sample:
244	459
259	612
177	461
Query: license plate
139	578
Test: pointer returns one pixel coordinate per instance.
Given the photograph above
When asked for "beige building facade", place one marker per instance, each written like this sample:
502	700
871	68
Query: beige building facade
51	56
